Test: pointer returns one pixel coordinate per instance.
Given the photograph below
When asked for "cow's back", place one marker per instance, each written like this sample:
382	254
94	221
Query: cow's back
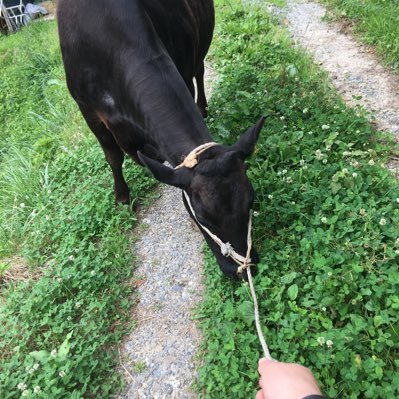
185	28
98	38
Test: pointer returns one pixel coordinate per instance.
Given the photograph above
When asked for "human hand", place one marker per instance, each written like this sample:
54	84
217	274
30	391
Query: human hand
285	381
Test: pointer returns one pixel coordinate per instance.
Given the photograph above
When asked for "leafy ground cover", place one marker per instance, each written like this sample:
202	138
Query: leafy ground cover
326	225
376	21
58	332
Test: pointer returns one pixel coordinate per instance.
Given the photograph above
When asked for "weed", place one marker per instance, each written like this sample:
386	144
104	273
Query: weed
138	367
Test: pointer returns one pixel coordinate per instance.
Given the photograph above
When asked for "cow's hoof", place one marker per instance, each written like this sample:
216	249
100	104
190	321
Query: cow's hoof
122	199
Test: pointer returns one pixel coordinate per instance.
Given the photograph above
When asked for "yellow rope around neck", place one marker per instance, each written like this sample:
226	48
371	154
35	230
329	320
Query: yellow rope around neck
244	265
192	158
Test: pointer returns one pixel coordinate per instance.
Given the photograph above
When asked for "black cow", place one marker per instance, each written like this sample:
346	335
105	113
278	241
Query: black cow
130	66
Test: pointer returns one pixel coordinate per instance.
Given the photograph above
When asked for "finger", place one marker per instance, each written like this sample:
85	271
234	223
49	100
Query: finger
262	364
259	395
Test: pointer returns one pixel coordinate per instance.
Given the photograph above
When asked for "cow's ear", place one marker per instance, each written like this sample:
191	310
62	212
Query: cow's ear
246	143
221	165
174	177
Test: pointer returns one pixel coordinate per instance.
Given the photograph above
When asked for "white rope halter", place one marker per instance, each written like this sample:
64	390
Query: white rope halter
244	263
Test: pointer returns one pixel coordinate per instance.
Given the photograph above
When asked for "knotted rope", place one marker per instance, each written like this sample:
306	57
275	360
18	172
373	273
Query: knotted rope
192	158
244	263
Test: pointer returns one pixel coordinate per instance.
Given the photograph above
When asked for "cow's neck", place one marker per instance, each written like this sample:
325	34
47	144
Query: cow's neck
167	110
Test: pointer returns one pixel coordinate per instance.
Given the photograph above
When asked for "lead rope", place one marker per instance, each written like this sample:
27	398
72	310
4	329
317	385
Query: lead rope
247	266
227	250
244	264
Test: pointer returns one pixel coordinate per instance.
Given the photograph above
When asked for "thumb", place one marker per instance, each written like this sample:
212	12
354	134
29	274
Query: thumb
263	363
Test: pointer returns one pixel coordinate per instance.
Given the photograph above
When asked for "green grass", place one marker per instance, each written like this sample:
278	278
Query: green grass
58	334
327	228
377	23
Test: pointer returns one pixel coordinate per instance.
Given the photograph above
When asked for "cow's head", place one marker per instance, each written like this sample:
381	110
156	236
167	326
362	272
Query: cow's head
220	194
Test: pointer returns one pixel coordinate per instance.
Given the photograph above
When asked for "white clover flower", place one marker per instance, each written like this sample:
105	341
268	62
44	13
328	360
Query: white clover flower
355	164
344	170
47	217
284	171
354	174
324	219
26	392
282	118
310	133
319	154
323	308
53	353
78	305
270	196
71	258
289	179
305	167
329	343
362	212
321	341
93	272
325	127
35	366
37	389
346	153
324	161
62	373
59	279
21	386
305	111
397	252
397	241
397	200
279	173
328	147
302	162
383	221
22	205
371	162
329	274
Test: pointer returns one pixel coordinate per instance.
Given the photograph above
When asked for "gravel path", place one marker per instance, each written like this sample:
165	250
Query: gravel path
353	68
158	358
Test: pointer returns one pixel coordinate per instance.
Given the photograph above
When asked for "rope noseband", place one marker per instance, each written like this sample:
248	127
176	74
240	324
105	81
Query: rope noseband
244	263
